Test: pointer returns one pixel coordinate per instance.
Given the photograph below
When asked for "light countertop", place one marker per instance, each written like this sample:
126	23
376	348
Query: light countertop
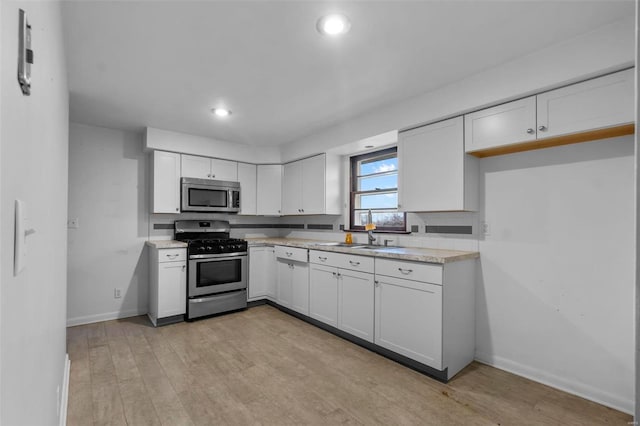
416	254
165	244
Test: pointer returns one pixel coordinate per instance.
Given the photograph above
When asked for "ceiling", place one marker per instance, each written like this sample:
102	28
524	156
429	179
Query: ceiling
165	64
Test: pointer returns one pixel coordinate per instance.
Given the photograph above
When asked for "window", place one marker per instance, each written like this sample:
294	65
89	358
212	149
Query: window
374	186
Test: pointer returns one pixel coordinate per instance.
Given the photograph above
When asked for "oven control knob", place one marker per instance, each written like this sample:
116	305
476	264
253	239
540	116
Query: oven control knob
201	248
209	248
221	247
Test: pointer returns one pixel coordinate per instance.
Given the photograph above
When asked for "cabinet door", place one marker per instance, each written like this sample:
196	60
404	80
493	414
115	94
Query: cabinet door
166	182
248	188
269	195
355	303
292	188
196	167
505	124
408	319
323	294
432	168
224	169
172	288
602	102
284	283
300	288
271	274
313	185
258	259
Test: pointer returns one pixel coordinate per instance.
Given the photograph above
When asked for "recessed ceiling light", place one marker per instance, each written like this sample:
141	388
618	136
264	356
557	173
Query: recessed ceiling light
221	112
333	25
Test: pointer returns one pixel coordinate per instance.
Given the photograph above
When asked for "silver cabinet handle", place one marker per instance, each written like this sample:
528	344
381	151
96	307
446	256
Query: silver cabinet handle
335	274
405	271
376	283
322	259
302	210
290	265
184	267
172	256
208	174
212	175
354	263
288	253
542	128
177	209
530	131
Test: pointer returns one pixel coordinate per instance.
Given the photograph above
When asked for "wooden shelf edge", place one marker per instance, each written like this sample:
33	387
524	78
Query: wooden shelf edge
591	135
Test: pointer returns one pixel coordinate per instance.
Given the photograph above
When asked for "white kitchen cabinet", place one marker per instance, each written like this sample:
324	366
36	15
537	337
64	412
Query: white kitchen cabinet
311	186
168	285
247	176
293	278
506	124
323	294
165	182
356	303
426	312
194	166
409	319
435	174
576	113
342	297
593	104
269	190
262	273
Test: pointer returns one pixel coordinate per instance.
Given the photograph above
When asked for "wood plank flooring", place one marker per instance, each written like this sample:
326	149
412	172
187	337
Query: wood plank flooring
261	366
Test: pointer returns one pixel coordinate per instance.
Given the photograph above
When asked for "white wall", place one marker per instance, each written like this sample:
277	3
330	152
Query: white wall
34	138
605	49
554	294
108	178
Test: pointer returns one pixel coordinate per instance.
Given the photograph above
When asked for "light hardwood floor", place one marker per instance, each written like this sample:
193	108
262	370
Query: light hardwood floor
261	366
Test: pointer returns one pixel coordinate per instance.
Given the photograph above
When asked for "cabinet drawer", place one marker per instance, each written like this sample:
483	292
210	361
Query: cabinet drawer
172	255
292	253
426	272
342	260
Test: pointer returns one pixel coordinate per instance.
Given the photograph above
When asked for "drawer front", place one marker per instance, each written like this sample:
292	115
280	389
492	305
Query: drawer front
172	255
342	260
292	253
416	271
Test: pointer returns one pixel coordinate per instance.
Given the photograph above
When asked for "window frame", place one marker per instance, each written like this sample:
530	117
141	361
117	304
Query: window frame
353	190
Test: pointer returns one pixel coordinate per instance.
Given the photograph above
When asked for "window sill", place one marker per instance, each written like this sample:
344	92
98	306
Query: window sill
377	231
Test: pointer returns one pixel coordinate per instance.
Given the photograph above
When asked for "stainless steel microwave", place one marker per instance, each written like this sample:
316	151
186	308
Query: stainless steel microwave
206	195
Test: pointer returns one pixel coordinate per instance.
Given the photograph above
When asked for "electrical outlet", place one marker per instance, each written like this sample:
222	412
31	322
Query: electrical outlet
117	293
486	229
73	223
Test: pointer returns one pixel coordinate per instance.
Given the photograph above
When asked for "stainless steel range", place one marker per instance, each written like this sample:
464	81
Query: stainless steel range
217	267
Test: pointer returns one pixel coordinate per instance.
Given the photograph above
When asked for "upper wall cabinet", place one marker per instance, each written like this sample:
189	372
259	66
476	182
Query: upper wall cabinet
312	186
594	109
247	176
165	182
209	168
435	173
269	188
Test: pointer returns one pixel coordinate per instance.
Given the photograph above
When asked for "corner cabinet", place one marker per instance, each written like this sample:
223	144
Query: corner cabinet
312	186
247	176
262	273
435	172
165	182
599	108
167	285
269	188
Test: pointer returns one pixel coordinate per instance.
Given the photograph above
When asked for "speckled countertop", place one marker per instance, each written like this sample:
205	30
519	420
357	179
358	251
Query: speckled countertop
415	254
165	244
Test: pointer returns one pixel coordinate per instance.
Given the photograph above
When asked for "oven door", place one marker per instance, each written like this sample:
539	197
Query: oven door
217	274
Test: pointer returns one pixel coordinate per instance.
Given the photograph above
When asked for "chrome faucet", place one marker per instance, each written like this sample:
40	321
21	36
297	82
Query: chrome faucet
372	239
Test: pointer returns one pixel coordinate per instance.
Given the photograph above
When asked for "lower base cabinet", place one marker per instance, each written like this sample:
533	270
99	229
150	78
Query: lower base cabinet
262	273
323	294
408	319
167	284
293	285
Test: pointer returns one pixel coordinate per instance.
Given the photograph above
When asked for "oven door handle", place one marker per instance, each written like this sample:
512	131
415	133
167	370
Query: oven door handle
216	297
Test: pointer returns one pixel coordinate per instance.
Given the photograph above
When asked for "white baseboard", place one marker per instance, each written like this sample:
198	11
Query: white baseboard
566	385
104	317
64	398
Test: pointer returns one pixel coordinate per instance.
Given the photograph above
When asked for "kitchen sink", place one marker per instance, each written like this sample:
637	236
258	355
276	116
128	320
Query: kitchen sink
356	246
